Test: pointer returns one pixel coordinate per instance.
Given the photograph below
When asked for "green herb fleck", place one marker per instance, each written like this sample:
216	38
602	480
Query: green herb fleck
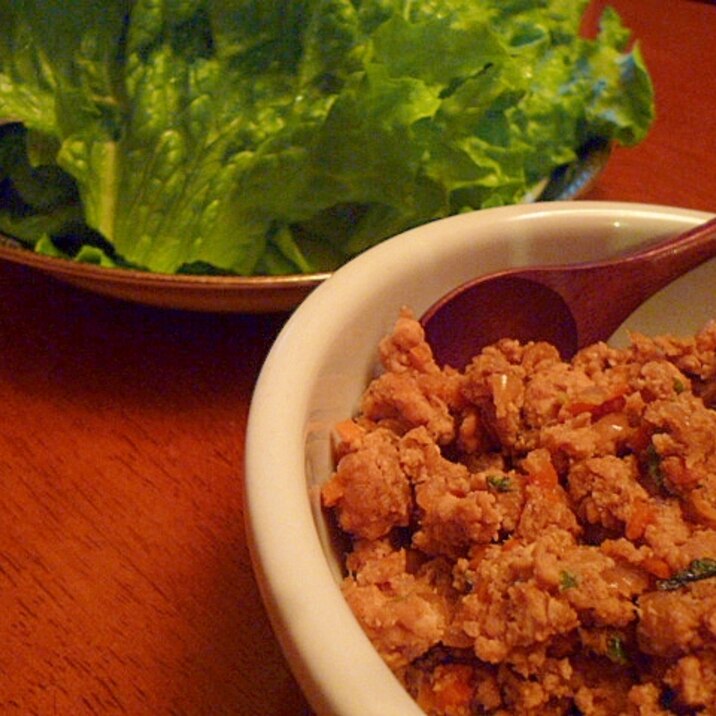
698	569
653	465
567	580
679	386
499	483
616	651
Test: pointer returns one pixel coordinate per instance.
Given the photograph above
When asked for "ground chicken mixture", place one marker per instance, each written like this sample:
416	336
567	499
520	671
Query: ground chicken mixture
535	536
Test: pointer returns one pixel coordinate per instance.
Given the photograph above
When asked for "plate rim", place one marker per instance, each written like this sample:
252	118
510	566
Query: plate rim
256	293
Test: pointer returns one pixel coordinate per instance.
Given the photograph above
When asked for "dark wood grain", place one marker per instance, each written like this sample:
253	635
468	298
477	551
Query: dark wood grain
125	582
674	165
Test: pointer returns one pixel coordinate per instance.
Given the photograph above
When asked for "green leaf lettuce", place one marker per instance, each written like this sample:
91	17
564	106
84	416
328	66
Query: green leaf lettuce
252	137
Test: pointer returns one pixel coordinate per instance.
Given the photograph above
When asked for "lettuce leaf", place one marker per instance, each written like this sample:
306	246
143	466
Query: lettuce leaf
240	136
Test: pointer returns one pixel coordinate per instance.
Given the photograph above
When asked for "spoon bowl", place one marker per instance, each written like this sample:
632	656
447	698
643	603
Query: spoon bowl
569	306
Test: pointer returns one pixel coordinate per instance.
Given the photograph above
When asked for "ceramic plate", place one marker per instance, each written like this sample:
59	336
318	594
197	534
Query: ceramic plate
254	294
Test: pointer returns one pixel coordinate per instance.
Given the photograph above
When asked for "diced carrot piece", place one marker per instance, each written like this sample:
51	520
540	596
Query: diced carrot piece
677	472
511	544
641	439
656	566
347	436
641	517
540	470
598	401
332	492
454	688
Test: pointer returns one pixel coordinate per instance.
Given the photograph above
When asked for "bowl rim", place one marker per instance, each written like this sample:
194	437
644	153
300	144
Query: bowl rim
295	580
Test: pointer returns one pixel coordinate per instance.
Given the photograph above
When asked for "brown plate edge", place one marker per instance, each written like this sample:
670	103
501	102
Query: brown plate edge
249	294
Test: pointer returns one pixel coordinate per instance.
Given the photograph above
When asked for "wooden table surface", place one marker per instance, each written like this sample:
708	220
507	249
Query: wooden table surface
125	581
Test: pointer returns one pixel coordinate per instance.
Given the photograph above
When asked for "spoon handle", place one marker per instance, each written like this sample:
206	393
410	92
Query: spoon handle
645	272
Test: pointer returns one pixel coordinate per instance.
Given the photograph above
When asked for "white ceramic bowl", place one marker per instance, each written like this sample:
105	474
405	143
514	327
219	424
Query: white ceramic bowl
322	361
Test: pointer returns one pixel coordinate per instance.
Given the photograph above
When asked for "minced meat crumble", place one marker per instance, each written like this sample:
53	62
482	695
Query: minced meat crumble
536	536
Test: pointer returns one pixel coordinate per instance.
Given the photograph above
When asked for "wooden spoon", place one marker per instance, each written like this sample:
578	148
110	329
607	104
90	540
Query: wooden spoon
570	306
